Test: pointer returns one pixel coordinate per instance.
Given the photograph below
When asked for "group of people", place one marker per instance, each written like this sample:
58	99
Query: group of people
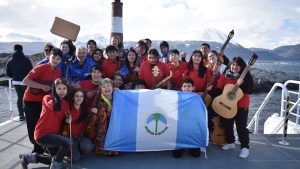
72	89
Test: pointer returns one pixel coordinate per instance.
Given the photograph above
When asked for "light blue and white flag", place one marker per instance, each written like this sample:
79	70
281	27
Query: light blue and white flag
154	120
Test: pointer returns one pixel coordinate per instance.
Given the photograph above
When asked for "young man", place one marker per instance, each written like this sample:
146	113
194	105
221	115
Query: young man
38	81
17	68
164	48
91	85
111	65
187	86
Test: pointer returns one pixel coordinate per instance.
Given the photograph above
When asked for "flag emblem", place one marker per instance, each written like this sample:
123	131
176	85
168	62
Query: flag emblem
156	124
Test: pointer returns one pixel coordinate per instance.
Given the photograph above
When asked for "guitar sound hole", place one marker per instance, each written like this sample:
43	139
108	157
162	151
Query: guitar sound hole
231	95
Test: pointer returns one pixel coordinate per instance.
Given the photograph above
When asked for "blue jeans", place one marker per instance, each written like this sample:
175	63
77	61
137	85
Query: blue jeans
54	140
81	146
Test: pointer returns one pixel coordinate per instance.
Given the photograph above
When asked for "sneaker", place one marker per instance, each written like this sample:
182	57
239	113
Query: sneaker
56	165
244	153
26	159
228	146
21	118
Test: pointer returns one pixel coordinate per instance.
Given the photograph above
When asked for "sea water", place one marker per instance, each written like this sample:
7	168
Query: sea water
292	69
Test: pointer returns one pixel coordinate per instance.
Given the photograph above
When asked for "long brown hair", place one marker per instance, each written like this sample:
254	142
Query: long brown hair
201	69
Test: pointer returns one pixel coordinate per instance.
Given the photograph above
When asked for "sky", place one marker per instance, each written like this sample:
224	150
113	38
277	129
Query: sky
257	23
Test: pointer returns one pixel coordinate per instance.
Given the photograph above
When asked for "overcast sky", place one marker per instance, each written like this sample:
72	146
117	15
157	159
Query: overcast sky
257	23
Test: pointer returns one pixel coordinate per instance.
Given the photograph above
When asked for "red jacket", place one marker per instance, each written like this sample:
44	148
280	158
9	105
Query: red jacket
147	75
42	74
50	121
199	83
177	73
76	126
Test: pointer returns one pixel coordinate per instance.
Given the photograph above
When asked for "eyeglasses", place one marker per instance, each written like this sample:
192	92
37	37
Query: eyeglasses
46	50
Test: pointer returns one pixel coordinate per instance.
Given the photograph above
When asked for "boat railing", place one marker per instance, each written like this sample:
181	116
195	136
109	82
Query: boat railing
285	99
7	100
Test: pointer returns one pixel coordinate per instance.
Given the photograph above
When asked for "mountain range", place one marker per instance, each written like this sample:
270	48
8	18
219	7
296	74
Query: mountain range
215	38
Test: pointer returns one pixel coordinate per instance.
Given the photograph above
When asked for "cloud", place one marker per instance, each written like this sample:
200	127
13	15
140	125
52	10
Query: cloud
265	24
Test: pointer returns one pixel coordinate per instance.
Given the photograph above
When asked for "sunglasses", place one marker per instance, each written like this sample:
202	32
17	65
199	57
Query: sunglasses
46	50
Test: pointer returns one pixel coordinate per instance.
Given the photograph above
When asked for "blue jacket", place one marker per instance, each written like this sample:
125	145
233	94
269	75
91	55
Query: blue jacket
79	73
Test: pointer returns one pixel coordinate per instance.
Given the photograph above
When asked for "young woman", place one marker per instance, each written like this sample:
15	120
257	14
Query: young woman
231	76
103	111
39	81
48	128
146	68
47	52
216	68
130	68
67	49
197	71
78	107
97	57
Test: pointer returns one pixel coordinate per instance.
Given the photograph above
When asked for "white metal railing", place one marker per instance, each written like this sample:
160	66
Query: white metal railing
284	95
7	102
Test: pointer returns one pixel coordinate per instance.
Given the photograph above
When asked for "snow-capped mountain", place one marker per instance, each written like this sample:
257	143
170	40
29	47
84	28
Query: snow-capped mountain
101	41
215	38
214	35
17	37
33	45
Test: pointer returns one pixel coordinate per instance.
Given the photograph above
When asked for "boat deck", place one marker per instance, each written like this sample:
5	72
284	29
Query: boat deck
265	152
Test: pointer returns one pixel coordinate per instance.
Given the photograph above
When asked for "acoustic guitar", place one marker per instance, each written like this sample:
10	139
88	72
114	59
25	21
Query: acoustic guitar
226	104
38	91
218	135
204	95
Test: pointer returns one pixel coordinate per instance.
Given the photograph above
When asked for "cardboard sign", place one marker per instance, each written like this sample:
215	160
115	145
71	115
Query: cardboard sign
65	29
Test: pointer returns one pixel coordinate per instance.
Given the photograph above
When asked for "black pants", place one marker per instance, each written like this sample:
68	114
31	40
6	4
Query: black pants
55	141
240	120
20	90
32	112
210	115
194	152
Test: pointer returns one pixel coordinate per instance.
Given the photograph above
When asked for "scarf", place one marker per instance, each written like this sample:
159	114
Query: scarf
231	75
106	101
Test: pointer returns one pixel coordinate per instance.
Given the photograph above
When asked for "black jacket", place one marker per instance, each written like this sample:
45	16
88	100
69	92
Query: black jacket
18	66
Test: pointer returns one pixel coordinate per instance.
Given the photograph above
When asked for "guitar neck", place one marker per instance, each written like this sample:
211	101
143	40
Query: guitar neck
211	81
236	86
154	82
135	65
225	44
231	33
164	80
